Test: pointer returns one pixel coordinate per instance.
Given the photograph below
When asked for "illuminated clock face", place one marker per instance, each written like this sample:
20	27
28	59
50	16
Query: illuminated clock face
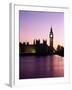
51	35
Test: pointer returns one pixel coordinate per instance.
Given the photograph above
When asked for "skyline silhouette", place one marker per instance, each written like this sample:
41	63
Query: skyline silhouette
36	25
41	44
41	49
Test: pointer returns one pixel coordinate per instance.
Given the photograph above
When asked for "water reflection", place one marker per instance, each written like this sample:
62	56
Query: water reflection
41	67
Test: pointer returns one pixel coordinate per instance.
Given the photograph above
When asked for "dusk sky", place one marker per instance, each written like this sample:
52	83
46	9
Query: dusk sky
36	25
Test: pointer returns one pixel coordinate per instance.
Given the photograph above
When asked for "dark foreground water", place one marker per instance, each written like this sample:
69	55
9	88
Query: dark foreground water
41	67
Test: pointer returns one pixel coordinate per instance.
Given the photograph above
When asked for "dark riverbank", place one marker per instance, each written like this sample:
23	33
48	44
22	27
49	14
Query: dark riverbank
35	54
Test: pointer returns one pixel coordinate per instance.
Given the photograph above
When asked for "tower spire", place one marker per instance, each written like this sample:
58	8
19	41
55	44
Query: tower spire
51	30
51	37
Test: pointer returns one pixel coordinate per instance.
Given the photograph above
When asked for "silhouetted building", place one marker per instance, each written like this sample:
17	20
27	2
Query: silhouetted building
24	43
60	50
45	42
38	48
37	42
27	43
51	38
34	42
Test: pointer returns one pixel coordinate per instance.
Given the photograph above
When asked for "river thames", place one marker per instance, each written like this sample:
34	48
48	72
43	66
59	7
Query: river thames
41	66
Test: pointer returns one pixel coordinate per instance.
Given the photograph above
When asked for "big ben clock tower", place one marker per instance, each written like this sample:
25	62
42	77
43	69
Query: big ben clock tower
51	37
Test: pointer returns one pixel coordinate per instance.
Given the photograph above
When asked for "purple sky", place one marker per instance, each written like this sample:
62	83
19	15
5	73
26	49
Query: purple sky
36	25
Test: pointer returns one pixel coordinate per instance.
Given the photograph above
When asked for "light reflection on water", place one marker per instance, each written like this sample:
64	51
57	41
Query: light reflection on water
41	67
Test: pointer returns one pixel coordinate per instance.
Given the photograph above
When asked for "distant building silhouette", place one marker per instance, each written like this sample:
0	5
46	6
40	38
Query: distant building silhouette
45	42
51	38
34	42
38	48
60	50
27	43
37	42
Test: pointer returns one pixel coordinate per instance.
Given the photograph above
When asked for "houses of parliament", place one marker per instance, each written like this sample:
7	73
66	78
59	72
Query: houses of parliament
38	48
